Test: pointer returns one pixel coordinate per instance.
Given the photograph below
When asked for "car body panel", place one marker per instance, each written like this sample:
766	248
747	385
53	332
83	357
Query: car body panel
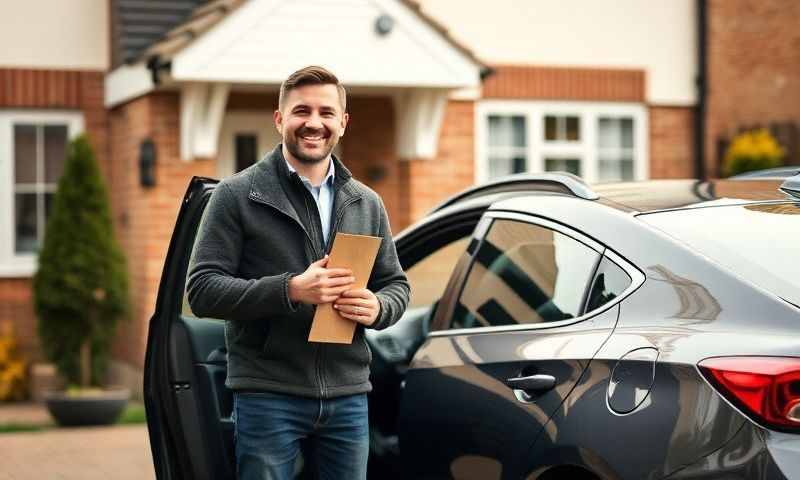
456	379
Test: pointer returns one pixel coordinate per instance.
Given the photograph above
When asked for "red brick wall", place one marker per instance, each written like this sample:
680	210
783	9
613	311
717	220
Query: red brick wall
551	83
145	217
427	182
49	89
368	150
753	67
671	142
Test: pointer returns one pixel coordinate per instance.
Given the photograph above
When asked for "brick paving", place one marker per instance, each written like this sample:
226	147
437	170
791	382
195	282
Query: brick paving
121	452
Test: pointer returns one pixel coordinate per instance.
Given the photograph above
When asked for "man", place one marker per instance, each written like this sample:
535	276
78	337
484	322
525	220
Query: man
260	263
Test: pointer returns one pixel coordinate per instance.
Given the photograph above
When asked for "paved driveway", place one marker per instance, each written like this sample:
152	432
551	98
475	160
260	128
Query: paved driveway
118	453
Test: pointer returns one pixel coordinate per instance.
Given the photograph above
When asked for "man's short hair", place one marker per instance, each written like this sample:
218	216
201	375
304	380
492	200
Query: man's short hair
311	75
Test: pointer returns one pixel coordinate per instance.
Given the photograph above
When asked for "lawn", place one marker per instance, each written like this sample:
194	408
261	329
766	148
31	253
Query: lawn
133	414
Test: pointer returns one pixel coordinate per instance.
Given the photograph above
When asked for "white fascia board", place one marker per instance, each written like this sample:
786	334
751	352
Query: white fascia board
126	83
243	49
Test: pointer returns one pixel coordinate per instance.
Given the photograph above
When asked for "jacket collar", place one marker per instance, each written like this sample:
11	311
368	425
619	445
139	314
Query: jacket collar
266	187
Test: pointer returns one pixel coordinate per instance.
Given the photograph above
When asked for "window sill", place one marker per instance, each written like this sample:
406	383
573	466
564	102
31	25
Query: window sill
20	269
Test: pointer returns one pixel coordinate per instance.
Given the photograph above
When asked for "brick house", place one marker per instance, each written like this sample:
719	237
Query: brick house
442	94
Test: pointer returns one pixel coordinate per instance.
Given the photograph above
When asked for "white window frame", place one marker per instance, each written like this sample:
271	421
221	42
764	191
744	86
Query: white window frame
13	264
586	149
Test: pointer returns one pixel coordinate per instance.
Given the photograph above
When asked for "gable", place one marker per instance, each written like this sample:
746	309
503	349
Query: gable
263	41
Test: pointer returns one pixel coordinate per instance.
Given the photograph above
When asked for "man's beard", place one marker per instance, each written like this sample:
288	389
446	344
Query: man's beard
293	145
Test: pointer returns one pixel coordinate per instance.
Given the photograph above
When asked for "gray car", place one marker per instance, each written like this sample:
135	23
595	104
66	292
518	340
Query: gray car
556	330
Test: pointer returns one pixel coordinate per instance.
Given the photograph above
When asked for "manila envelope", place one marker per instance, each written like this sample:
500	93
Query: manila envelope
356	252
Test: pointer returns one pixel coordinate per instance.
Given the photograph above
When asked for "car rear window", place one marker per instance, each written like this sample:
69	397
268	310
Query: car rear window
759	242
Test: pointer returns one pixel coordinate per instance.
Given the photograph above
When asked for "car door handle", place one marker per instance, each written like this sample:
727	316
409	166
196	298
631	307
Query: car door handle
532	384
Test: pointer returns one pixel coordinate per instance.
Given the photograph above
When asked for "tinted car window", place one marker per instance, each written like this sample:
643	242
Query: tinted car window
524	273
428	277
757	242
609	282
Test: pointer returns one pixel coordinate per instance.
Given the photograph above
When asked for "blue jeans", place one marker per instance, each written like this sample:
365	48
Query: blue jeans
268	428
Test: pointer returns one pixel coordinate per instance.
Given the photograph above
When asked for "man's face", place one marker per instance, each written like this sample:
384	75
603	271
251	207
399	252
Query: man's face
311	122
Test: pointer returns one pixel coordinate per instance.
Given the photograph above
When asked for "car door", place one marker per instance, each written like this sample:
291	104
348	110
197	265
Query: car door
188	406
510	340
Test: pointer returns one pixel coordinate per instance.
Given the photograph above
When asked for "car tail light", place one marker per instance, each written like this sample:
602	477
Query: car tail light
766	388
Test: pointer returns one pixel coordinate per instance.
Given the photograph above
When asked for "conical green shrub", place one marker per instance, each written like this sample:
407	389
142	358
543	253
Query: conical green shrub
81	287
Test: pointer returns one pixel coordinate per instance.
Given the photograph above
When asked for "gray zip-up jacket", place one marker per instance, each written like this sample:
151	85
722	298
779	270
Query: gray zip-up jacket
260	228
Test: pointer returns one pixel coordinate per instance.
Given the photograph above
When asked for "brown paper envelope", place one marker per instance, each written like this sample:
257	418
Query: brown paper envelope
356	252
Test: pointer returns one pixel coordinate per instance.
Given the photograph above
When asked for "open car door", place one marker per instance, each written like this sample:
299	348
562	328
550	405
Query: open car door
188	407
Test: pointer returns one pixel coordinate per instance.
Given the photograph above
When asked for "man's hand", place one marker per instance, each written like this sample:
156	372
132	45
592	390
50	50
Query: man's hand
319	284
360	306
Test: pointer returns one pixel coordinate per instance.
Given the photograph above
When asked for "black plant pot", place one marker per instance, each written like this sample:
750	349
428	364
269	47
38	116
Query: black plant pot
95	408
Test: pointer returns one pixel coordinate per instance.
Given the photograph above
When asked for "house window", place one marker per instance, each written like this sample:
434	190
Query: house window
600	142
33	148
564	128
507	145
615	148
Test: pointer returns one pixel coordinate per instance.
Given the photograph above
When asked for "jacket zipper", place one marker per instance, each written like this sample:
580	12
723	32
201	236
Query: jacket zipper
299	223
339	215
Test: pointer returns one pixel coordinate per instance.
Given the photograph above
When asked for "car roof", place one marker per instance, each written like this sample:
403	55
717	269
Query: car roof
641	196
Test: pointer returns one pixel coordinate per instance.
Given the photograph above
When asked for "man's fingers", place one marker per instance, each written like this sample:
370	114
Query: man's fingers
338	272
338	281
334	291
357	293
358	301
321	262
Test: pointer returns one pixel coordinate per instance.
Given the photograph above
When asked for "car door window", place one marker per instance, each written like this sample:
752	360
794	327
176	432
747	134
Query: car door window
609	282
428	277
525	273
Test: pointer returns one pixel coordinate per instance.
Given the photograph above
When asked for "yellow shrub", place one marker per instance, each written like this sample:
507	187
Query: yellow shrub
752	150
13	381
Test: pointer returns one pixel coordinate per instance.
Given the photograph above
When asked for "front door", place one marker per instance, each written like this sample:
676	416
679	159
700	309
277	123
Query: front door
512	339
245	137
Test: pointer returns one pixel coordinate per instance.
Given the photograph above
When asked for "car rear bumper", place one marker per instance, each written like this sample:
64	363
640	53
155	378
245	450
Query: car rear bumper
753	454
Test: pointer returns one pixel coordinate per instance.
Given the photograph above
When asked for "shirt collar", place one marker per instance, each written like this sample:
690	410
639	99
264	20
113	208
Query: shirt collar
329	178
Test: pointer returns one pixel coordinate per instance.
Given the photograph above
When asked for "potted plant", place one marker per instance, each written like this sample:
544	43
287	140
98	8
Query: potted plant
752	150
80	292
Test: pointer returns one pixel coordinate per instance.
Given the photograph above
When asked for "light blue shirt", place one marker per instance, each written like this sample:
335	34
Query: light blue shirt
323	197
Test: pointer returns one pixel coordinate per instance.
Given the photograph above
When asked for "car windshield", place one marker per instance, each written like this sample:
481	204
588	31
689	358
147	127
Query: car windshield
757	242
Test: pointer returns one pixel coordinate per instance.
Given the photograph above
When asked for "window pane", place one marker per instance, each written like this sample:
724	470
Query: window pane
573	129
550	128
607	133
504	165
506	131
609	282
429	276
525	273
615	169
615	132
25	239
627	132
25	153
55	152
571	165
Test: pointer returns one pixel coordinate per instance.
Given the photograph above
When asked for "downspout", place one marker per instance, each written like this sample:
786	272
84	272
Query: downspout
702	87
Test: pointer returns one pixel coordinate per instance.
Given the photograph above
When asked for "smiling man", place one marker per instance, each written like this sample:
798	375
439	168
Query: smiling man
260	263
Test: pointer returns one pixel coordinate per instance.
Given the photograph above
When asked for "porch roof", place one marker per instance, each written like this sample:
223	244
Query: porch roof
387	45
